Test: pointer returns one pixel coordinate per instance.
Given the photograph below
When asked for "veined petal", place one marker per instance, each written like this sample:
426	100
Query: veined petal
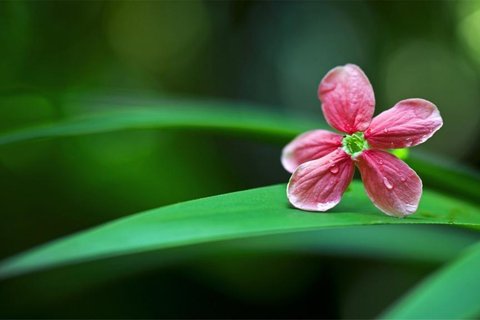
318	185
408	123
390	183
309	146
347	99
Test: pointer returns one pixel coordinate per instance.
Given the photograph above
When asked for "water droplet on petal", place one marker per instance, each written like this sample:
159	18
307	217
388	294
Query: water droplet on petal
410	208
387	183
380	161
408	142
385	130
334	169
403	178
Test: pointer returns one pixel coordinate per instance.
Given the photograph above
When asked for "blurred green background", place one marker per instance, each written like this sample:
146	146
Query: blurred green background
65	58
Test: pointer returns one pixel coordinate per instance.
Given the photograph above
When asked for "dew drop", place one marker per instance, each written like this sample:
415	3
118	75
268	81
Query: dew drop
387	183
334	169
410	208
403	179
408	142
385	130
380	161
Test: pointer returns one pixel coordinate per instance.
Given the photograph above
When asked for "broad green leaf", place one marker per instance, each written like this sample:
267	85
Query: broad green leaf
451	293
237	215
381	242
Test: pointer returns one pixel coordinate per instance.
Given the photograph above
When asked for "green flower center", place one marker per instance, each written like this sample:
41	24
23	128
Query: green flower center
354	144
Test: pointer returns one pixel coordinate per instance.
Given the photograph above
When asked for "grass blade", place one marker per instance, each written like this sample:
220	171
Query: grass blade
237	215
379	242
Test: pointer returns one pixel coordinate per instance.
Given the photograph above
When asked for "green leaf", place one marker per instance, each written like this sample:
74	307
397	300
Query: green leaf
232	216
447	176
236	119
451	293
401	153
376	242
381	242
252	122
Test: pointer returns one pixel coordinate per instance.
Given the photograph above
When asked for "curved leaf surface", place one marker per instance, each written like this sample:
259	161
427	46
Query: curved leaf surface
380	242
231	216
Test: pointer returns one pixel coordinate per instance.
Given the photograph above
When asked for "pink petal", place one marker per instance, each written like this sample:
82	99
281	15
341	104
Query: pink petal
347	99
391	184
408	123
318	185
308	146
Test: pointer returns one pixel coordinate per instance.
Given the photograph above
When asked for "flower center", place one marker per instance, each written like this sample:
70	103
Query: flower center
354	144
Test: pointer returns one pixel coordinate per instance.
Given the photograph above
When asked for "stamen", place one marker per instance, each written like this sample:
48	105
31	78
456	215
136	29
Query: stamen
355	144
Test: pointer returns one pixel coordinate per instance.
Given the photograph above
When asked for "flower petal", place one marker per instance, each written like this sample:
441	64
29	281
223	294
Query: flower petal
409	123
308	146
318	185
347	99
390	183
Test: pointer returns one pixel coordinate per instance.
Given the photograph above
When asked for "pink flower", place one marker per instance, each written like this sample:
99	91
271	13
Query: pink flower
323	162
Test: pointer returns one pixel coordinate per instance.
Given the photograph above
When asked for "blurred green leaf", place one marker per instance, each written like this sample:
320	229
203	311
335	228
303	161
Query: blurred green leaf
451	293
447	176
401	153
241	120
236	120
232	216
